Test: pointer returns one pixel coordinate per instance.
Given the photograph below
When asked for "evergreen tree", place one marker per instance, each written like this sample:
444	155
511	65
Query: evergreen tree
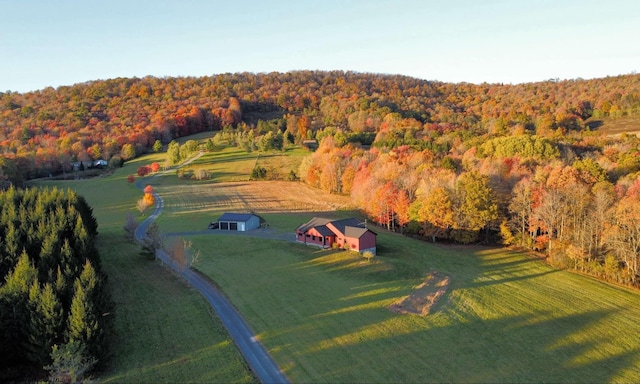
15	311
45	323
157	146
89	317
82	325
209	146
51	287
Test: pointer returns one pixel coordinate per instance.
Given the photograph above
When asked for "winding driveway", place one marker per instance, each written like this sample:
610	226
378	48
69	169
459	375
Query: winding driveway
253	351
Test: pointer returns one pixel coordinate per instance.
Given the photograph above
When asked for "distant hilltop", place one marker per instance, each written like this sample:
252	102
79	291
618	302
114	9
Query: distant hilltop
45	131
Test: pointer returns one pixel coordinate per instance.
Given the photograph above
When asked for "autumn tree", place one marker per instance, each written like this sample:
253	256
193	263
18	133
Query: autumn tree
143	170
128	152
147	199
521	209
130	226
623	234
152	241
173	153
434	210
477	207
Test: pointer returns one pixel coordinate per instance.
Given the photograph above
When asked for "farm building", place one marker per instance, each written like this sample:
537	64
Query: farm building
238	222
346	233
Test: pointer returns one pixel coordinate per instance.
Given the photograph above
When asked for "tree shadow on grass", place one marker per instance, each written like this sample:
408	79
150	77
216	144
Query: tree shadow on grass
508	349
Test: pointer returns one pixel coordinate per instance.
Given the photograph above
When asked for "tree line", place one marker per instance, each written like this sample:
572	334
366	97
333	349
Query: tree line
55	307
576	198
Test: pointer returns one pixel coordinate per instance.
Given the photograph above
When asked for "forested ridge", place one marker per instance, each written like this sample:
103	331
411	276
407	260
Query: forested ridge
43	132
522	164
55	308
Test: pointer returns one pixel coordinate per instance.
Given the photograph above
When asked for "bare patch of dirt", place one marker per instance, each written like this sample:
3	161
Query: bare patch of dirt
424	296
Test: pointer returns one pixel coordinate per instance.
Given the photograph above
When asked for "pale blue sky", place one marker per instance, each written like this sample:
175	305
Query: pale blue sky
62	42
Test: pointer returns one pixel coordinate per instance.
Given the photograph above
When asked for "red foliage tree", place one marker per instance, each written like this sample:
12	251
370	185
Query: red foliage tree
143	170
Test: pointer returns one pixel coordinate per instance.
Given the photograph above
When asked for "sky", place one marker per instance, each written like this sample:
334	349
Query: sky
62	42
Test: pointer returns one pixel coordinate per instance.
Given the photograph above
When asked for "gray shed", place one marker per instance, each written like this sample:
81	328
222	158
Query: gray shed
238	222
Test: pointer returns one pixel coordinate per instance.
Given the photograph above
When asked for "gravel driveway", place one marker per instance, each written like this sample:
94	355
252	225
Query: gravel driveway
253	351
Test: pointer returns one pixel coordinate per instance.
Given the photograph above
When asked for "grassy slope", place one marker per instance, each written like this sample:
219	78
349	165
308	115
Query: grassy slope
234	164
226	165
507	318
324	316
614	126
165	332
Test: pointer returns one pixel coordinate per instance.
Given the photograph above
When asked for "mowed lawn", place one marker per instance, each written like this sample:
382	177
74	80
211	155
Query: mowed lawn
191	204
165	332
324	315
507	317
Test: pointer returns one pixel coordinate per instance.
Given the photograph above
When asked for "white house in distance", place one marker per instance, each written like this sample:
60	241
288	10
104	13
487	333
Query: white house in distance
238	222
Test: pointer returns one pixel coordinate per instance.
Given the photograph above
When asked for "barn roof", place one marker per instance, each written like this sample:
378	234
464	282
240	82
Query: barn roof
315	222
324	230
356	232
351	227
341	225
238	217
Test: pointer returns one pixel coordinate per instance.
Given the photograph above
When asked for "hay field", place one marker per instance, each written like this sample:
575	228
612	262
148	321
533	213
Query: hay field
191	206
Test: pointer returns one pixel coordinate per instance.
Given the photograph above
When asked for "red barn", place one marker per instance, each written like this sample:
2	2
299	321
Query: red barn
346	233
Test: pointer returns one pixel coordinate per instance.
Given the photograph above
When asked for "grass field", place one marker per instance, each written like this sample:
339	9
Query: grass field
234	164
192	205
323	315
616	126
165	331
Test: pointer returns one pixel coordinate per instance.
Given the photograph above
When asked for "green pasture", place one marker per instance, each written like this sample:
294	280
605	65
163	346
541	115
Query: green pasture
229	164
165	331
200	137
507	317
280	164
323	314
235	164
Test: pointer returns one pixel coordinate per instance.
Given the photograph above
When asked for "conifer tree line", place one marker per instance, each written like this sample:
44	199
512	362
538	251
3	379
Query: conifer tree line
53	294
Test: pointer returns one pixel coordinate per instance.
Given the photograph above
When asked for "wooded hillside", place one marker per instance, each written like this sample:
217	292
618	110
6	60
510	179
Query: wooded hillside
43	132
526	164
